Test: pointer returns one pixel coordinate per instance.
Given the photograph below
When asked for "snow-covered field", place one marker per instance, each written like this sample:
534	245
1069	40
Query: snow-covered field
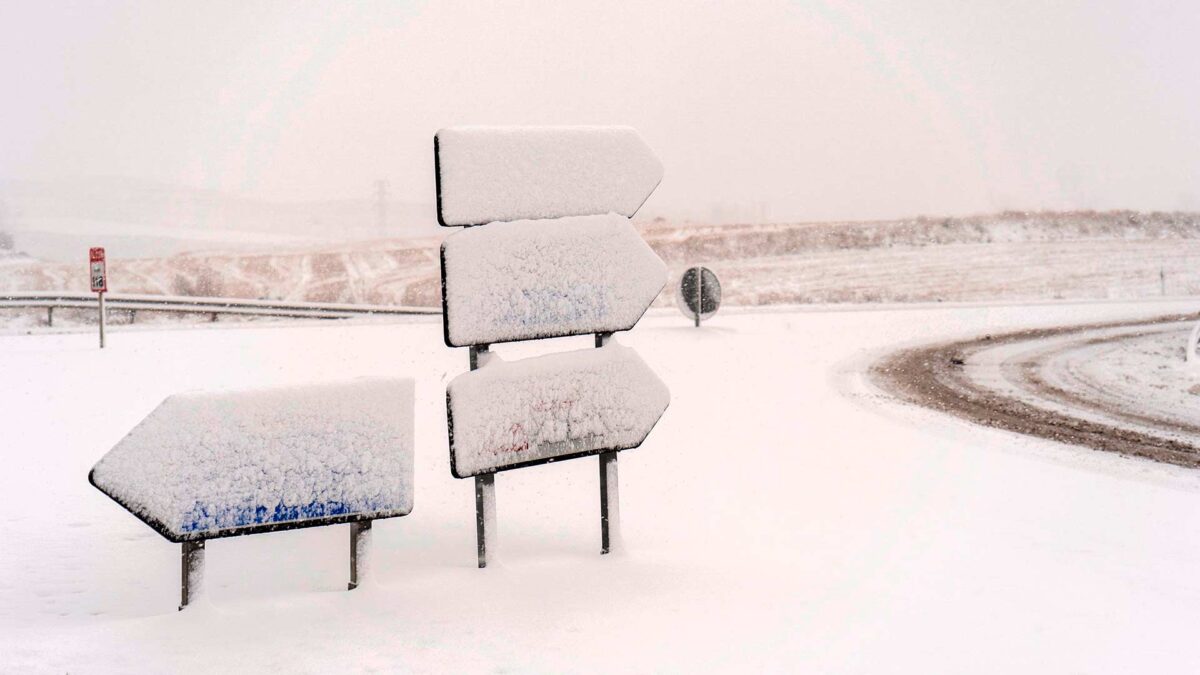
783	516
1015	257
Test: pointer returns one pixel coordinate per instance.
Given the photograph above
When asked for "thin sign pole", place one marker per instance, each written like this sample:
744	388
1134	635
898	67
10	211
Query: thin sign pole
192	585
98	272
610	511
360	545
485	491
102	314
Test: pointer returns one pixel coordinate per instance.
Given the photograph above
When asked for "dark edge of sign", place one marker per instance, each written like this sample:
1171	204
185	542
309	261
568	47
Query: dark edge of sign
437	177
161	528
450	437
445	305
540	336
535	462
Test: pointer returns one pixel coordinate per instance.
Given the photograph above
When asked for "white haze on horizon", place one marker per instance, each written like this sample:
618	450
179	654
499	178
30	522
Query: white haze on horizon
788	110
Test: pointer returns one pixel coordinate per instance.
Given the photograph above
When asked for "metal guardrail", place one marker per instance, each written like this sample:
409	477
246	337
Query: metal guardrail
197	305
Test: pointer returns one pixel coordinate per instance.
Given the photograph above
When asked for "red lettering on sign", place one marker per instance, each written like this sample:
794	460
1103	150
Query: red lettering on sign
96	254
518	440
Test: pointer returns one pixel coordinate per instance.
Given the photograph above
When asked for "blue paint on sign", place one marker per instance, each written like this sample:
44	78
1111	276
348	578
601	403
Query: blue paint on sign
552	306
204	517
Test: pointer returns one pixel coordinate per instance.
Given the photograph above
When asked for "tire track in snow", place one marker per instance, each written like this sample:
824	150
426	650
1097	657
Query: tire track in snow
1026	382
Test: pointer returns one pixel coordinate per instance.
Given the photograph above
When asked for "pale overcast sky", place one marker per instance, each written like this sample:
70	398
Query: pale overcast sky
816	110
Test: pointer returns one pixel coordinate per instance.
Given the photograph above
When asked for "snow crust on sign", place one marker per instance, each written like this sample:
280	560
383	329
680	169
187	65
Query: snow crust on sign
539	278
512	173
207	462
508	413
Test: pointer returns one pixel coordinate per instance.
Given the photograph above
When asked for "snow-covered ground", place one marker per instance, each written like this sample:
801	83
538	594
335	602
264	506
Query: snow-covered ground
783	516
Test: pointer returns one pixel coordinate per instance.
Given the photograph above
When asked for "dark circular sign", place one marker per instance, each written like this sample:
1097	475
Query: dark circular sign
699	292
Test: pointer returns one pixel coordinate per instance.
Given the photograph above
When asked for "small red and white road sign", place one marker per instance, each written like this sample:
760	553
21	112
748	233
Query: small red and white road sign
99	272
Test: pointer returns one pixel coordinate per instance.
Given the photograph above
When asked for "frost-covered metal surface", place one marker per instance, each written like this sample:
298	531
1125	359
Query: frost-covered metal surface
543	278
511	414
486	174
205	465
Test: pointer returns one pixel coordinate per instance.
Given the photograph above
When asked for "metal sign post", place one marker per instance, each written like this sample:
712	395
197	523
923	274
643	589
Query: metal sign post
99	278
360	546
556	257
192	583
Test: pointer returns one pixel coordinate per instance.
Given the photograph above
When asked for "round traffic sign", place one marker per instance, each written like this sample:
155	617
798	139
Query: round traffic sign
699	293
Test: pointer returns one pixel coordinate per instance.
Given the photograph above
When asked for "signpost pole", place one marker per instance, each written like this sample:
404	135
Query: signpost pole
98	271
360	546
485	514
193	572
610	509
102	313
485	490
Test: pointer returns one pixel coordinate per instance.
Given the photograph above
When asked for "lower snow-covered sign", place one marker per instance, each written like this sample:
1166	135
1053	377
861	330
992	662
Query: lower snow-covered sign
532	279
209	465
508	415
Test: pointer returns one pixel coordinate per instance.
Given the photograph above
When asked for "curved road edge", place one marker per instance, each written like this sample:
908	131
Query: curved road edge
932	376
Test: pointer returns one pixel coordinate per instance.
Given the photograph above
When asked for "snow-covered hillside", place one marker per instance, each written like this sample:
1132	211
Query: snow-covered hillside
783	516
1021	256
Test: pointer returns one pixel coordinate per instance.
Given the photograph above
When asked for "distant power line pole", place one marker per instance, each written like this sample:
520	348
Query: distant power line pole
381	193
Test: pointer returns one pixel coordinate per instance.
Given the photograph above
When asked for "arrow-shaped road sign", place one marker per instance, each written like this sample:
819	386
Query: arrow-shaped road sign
202	466
535	279
486	174
507	415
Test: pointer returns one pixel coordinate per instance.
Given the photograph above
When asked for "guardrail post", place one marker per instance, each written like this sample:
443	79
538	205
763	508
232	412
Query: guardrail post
193	572
360	547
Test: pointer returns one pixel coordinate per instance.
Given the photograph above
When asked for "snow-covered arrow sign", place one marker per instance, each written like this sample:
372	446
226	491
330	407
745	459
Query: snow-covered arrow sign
509	415
545	278
557	257
208	465
486	174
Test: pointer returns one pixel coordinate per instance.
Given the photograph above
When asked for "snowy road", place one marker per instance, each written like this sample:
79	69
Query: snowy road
1119	386
784	516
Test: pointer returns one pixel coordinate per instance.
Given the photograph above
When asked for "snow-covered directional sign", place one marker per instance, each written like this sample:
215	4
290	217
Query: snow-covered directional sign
509	415
545	278
486	174
203	465
556	255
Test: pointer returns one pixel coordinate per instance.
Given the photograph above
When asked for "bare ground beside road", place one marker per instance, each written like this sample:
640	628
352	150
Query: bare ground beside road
1016	394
